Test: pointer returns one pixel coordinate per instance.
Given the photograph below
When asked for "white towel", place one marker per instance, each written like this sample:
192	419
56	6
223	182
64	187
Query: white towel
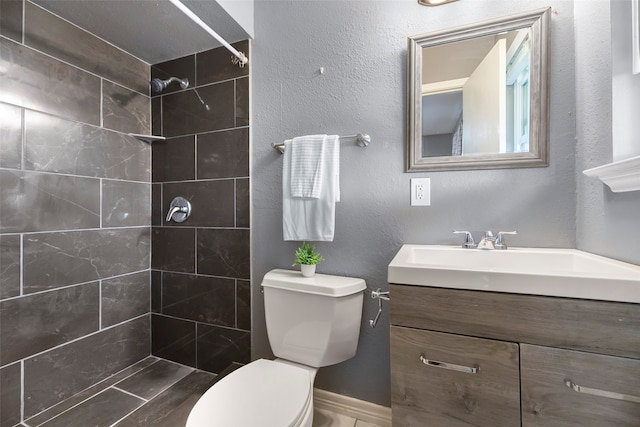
307	165
307	218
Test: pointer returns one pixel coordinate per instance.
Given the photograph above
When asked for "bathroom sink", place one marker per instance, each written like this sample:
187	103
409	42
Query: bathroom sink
538	271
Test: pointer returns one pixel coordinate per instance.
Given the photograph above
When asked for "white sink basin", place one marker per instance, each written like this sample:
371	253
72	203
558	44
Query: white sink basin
537	271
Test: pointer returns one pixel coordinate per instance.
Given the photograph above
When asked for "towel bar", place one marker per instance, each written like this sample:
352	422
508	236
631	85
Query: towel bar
362	139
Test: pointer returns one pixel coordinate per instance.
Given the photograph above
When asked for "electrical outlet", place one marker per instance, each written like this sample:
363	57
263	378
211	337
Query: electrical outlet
420	191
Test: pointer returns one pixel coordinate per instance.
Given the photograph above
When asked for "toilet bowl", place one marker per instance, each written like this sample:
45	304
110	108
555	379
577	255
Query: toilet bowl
311	322
268	393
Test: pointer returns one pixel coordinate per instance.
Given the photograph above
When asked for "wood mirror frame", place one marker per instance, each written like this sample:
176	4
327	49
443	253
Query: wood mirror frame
538	22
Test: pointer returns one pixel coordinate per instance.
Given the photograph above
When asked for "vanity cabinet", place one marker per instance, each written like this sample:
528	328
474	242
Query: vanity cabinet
548	361
451	380
571	388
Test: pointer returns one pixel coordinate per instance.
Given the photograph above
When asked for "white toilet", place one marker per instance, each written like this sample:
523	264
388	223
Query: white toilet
311	322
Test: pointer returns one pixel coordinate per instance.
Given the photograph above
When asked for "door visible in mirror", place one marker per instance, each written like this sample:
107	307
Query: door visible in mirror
488	75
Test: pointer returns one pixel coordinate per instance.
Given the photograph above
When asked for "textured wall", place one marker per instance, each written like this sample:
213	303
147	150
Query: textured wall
75	209
362	47
200	278
607	222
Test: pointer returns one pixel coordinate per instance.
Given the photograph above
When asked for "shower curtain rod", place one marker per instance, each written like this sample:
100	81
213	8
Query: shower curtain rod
184	9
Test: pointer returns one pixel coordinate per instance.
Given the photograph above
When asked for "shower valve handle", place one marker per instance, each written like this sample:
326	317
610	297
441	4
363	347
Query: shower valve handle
179	210
174	210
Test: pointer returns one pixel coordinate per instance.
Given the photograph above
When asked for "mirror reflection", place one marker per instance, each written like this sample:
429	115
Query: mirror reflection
476	100
478	95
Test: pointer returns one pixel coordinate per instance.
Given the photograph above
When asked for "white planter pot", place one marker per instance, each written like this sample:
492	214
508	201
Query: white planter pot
308	270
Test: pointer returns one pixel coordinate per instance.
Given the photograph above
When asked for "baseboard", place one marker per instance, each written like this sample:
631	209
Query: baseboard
359	409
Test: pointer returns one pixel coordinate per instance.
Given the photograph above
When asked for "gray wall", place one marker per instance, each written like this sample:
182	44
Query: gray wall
75	210
607	222
362	47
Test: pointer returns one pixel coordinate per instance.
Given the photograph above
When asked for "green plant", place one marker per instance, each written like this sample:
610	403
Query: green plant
307	255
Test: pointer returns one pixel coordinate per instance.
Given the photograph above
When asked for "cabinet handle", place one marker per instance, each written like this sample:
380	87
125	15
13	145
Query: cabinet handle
601	393
444	365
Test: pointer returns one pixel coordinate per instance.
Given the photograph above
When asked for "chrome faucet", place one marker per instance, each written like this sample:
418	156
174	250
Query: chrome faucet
490	242
500	243
468	239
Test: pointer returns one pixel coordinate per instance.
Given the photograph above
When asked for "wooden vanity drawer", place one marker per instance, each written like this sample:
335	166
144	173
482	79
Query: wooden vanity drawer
603	381
594	326
426	393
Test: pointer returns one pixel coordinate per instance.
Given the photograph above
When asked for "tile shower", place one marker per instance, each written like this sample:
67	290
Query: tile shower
88	267
200	268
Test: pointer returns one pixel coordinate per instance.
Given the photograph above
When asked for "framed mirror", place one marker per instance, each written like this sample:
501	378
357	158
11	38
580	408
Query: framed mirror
478	95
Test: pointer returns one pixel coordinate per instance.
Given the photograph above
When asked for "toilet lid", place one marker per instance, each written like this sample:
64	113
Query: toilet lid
263	393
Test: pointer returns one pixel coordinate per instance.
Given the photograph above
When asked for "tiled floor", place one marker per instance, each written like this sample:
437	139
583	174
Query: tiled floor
153	392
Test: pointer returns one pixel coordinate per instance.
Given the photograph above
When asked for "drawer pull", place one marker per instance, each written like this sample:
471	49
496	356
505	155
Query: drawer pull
601	393
444	365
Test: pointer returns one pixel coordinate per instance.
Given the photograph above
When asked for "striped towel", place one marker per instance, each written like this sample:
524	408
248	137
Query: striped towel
307	165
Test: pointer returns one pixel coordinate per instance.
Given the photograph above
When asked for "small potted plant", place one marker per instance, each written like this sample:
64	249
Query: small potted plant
307	258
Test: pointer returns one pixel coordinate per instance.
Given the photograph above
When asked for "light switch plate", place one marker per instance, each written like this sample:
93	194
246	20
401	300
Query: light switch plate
420	191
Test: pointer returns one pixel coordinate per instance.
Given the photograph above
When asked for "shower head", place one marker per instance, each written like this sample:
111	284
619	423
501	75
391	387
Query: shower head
157	85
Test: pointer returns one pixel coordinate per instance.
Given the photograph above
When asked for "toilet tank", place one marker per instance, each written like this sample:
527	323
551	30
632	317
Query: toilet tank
313	320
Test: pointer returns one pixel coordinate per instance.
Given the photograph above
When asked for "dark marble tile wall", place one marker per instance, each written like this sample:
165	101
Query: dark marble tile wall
34	323
220	347
10	136
215	202
221	252
71	44
11	19
201	277
40	82
71	202
125	204
124	109
53	144
223	154
125	297
197	110
174	339
10	262
75	212
173	249
199	298
10	394
52	260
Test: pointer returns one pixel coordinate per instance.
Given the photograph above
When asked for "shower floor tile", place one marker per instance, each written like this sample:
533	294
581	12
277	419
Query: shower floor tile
153	380
103	409
154	392
73	401
171	408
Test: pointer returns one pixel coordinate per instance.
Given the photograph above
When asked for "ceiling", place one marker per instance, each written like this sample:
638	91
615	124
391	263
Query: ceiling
152	30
